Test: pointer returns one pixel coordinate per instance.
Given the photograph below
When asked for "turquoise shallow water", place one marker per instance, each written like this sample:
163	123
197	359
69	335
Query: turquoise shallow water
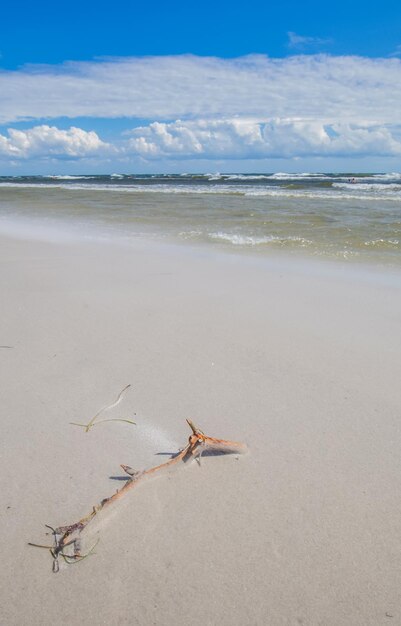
346	216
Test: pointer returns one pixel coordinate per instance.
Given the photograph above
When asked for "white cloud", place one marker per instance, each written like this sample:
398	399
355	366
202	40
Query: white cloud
209	108
396	52
47	141
242	139
341	89
301	42
228	139
233	138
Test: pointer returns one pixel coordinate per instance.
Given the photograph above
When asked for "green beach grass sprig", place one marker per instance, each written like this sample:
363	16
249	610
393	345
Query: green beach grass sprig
94	419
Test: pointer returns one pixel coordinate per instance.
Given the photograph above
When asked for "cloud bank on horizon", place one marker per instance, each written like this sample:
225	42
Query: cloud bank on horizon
189	107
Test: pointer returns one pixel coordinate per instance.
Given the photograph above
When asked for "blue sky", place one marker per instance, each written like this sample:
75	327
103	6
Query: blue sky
152	87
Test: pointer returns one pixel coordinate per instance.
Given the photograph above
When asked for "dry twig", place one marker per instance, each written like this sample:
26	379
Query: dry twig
63	536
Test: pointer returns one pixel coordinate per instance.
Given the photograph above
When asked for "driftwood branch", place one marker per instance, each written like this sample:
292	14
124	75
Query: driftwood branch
69	535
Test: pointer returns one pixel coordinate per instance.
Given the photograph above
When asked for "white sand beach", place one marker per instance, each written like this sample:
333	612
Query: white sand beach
299	360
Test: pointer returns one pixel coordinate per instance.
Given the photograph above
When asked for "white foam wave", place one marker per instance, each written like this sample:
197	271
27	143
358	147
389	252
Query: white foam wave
302	175
373	192
190	234
70	177
371	187
323	194
241	240
393	176
244	177
155	188
248	240
390	176
382	243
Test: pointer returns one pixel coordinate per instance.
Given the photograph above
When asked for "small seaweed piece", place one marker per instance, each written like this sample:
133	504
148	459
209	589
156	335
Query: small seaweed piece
93	421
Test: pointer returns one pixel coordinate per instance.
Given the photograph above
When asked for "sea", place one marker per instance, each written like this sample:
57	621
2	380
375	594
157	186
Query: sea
349	217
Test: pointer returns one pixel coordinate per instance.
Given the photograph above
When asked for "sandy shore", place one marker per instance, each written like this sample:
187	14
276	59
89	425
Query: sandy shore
302	362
